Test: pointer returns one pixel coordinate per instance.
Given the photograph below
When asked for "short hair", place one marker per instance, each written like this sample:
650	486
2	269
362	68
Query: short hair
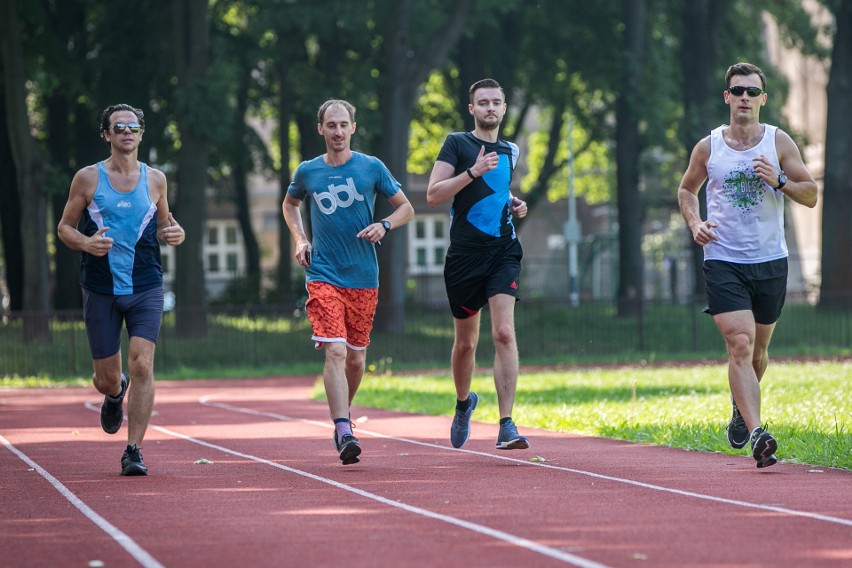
485	84
350	108
745	69
108	111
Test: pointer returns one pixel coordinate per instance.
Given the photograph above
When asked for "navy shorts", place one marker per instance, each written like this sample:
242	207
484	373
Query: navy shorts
760	288
472	277
104	315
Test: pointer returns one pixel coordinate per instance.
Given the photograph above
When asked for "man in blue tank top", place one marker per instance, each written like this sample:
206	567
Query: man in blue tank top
749	167
121	206
483	263
341	267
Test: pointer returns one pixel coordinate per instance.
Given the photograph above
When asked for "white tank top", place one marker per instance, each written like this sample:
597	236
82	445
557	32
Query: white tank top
749	213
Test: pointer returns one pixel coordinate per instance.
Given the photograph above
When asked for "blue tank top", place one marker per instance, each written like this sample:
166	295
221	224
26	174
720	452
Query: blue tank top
133	264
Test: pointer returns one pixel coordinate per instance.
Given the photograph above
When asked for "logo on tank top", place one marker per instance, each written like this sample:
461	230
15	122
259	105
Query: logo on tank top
743	189
337	196
124	204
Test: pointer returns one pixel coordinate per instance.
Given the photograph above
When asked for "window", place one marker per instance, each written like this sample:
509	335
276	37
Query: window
427	244
213	263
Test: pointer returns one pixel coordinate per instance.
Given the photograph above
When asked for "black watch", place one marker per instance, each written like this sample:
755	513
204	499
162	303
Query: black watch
386	224
782	181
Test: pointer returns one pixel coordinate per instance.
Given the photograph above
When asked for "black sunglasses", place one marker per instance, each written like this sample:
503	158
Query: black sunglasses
752	91
119	127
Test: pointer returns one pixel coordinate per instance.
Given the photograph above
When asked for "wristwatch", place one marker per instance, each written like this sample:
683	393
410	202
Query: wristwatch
386	224
782	180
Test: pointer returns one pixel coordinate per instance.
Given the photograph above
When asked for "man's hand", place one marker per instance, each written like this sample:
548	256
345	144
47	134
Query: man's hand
172	234
98	244
703	233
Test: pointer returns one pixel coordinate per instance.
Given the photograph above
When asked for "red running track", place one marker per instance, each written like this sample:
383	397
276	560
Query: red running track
277	495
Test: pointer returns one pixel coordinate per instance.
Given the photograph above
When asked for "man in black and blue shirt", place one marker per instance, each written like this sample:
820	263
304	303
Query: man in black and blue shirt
483	263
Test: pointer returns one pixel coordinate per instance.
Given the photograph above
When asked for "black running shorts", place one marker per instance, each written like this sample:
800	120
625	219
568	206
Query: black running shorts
104	314
472	277
760	288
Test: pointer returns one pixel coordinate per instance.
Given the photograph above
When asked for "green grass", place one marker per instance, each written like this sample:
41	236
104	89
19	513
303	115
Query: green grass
808	406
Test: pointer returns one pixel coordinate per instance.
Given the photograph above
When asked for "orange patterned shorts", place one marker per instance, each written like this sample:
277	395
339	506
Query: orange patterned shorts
342	315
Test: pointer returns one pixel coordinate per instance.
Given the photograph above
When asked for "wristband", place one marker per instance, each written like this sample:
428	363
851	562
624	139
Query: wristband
470	173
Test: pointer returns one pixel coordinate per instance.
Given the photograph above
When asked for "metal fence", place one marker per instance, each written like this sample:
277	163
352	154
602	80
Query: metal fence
549	330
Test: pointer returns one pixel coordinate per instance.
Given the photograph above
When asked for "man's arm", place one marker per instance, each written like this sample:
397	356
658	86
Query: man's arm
403	212
800	186
687	194
82	189
444	184
293	218
169	230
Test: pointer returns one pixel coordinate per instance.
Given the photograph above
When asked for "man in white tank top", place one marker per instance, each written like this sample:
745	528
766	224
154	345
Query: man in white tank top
749	167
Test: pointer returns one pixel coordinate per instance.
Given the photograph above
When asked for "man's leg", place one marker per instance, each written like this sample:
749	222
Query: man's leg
505	369
355	363
739	330
335	380
140	399
107	375
762	337
464	354
502	308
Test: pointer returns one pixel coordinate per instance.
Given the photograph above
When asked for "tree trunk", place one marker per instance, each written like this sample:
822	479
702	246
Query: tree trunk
242	167
10	216
405	73
836	286
628	149
699	56
285	294
29	164
192	39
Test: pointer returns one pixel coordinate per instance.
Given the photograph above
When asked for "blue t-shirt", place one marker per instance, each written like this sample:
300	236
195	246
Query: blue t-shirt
133	263
343	202
481	216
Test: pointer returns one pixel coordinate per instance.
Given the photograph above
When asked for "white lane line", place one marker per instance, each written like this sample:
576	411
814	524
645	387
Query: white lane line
137	552
205	400
509	538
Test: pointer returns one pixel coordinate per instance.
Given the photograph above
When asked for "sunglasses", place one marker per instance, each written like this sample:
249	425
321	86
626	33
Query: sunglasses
119	127
752	91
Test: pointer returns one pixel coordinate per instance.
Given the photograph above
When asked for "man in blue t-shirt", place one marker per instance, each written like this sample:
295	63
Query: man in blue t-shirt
483	263
341	268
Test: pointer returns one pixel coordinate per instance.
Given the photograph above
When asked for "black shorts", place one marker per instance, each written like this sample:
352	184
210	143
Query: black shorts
105	313
472	277
760	288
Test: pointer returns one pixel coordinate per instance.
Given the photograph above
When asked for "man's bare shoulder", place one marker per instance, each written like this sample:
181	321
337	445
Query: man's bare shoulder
86	179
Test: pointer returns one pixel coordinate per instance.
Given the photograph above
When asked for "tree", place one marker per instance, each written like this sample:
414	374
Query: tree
407	66
836	286
192	53
628	148
29	164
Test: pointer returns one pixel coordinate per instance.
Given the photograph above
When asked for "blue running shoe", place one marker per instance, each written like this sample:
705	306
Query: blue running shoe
509	439
763	447
460	430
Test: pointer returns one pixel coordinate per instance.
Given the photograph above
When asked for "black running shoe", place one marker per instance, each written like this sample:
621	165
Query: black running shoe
348	449
131	462
111	410
763	447
737	431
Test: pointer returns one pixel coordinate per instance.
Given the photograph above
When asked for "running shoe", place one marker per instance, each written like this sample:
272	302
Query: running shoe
111	410
348	448
460	430
763	447
737	431
509	439
131	462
